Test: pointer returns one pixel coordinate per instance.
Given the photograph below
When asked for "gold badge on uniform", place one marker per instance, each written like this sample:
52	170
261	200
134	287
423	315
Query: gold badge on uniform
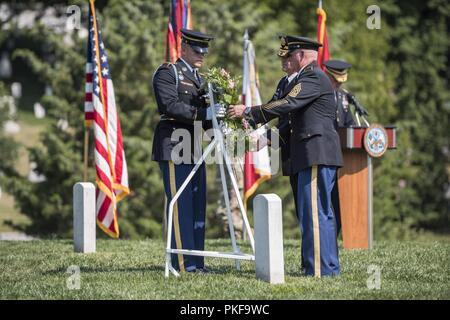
295	91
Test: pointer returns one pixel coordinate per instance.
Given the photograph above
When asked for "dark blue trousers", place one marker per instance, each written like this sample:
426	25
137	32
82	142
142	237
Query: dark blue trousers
336	206
188	228
317	221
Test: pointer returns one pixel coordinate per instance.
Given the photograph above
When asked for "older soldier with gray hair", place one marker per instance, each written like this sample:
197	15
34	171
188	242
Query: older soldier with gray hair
314	150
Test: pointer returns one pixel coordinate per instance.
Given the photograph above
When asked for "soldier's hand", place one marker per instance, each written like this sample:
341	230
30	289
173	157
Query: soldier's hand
236	111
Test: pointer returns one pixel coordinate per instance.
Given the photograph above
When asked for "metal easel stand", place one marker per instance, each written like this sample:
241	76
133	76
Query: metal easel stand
218	144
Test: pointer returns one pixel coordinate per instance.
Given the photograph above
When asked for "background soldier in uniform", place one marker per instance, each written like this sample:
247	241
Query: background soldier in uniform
284	123
314	150
181	102
337	71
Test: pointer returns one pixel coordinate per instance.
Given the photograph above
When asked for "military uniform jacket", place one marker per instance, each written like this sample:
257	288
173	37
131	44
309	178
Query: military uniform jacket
312	110
283	126
344	116
180	101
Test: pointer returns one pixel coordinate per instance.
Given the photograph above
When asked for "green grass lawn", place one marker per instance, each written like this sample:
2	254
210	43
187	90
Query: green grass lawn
134	270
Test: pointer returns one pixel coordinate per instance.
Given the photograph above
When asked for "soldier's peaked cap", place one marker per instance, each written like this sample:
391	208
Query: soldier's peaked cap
338	69
291	43
196	39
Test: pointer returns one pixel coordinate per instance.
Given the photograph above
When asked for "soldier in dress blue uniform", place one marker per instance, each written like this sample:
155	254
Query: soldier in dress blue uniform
337	71
315	152
180	99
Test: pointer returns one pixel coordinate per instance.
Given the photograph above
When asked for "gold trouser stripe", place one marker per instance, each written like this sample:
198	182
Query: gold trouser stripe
176	222
315	219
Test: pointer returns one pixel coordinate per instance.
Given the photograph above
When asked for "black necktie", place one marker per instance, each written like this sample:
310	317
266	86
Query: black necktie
196	75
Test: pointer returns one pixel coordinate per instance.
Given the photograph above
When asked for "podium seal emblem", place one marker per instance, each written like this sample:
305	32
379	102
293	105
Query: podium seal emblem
375	140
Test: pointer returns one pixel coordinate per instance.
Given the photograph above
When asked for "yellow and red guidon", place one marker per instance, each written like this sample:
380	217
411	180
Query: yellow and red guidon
322	37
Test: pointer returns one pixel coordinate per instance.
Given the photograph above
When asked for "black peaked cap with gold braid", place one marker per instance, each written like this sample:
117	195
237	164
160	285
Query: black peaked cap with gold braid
291	43
338	69
196	39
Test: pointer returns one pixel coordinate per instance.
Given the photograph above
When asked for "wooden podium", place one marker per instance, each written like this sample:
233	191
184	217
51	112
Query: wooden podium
355	185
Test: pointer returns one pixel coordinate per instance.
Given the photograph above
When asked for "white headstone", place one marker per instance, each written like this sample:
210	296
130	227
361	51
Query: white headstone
48	90
62	124
33	176
84	217
269	256
11	127
16	90
5	66
39	111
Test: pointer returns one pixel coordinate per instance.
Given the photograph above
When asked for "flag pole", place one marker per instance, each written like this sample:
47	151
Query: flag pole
100	80
86	136
320	4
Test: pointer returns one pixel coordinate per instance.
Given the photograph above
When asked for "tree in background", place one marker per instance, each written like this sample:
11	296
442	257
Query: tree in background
9	148
131	44
420	51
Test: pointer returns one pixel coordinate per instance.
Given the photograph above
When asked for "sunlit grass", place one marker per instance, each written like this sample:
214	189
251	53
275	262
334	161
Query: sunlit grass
134	270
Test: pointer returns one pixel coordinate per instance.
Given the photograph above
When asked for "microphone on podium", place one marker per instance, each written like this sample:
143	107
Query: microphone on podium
358	107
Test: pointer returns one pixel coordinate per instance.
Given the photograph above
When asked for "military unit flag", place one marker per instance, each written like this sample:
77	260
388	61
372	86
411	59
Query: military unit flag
322	37
180	17
256	163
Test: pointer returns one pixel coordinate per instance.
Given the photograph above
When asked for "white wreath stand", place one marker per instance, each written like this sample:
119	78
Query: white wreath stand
218	143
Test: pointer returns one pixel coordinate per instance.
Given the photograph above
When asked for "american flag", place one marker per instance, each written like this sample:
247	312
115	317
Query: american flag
101	112
180	17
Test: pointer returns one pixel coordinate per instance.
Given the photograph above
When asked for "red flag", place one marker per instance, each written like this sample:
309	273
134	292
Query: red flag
101	111
322	37
180	17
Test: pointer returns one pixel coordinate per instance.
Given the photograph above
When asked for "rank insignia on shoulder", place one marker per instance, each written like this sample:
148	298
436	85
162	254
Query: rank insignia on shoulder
184	69
295	91
181	77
